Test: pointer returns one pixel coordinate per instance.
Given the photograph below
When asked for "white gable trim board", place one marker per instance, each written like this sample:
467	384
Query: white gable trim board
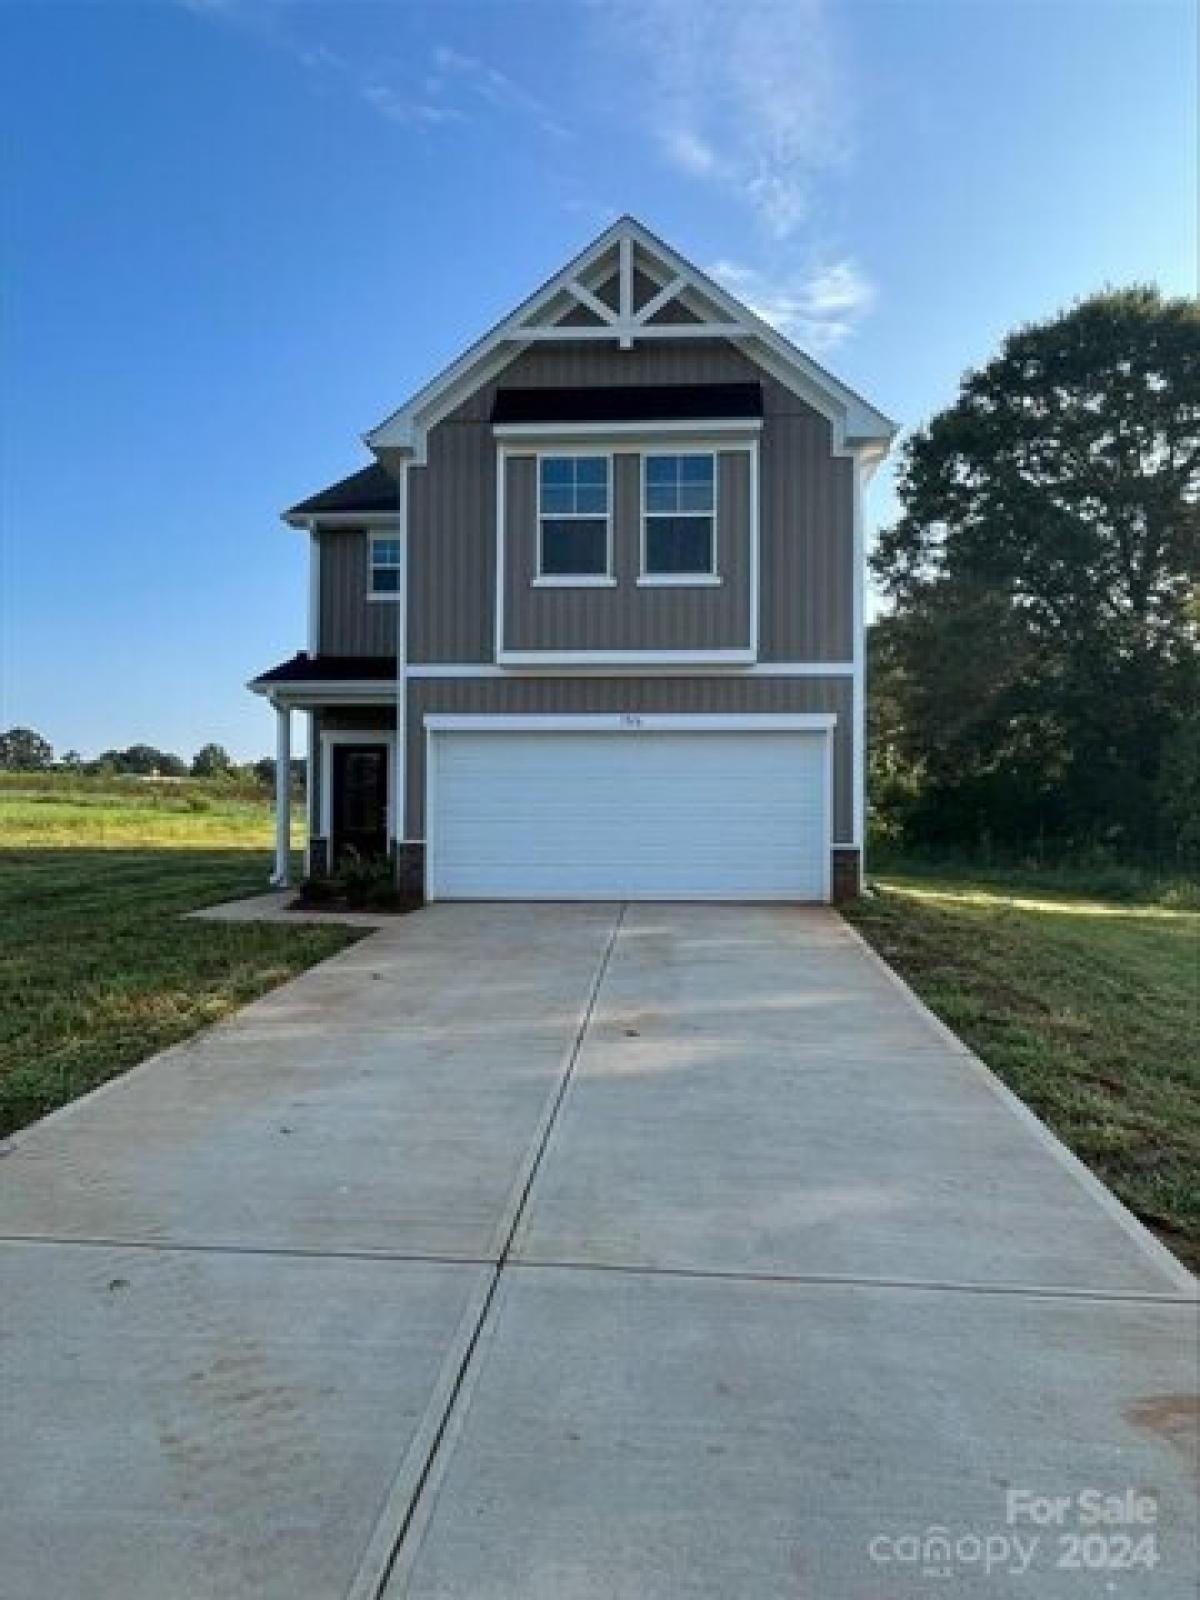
629	806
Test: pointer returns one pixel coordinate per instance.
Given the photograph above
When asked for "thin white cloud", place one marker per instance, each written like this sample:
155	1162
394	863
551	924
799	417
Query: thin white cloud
819	308
747	94
479	79
690	153
450	88
397	107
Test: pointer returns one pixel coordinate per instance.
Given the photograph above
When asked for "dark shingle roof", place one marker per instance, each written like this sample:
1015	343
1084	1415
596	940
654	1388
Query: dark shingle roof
645	402
372	489
303	668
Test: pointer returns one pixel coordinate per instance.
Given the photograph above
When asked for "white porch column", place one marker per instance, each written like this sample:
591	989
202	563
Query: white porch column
283	796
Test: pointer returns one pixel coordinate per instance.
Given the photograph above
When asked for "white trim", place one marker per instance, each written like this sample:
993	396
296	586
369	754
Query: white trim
501	518
631	722
758	669
281	876
652	659
311	800
581	580
336	736
559	333
566	431
341	519
737	657
430	819
801	669
399	751
858	720
575	579
853	418
314	592
680	580
677	579
755	549
366	691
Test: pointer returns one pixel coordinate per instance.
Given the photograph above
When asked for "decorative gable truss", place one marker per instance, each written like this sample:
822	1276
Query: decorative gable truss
623	297
629	288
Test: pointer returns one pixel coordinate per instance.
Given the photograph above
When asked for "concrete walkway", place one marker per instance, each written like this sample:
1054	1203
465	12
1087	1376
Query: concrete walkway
580	1253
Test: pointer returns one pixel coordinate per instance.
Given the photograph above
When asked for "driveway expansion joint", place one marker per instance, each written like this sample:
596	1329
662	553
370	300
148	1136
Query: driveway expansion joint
374	1574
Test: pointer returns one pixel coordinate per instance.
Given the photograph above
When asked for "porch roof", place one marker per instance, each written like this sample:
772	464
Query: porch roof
302	669
370	489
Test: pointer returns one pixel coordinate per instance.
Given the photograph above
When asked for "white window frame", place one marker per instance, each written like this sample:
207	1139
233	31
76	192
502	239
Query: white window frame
384	536
576	580
679	580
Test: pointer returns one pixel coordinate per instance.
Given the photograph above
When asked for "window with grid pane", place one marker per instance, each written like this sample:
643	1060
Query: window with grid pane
679	506
385	566
573	505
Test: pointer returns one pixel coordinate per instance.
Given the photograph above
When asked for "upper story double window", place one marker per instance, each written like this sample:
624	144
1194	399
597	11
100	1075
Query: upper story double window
574	519
678	519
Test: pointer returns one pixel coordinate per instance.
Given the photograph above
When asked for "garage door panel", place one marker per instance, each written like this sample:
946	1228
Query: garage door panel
628	815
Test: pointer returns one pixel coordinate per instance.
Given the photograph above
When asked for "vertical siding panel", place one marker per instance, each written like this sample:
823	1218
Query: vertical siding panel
351	625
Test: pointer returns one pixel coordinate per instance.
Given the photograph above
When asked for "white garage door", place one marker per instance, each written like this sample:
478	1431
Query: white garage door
663	810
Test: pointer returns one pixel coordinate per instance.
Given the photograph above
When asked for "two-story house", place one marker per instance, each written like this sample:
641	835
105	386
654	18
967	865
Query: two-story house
590	625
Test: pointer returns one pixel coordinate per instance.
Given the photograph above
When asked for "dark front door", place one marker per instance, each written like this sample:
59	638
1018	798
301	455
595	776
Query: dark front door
360	785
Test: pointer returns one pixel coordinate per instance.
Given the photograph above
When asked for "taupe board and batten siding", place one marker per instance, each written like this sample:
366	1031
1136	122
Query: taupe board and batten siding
691	694
628	617
806	507
351	624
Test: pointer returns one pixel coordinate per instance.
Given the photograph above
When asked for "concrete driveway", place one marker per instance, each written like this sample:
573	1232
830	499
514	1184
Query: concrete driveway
583	1253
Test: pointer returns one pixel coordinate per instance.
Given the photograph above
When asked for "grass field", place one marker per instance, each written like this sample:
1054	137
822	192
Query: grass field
97	969
1087	1006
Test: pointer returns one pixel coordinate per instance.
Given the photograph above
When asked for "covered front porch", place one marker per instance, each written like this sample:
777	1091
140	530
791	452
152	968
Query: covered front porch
354	765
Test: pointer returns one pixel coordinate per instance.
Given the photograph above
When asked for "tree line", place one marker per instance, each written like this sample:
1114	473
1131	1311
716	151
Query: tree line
1037	674
25	750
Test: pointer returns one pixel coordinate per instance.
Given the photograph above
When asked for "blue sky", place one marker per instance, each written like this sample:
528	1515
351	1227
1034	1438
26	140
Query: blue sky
237	233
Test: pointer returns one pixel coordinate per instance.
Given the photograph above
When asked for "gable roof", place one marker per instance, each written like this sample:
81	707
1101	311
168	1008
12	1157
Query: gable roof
683	302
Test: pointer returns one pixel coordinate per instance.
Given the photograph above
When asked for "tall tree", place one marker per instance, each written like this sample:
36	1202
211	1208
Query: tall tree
211	761
1045	572
23	750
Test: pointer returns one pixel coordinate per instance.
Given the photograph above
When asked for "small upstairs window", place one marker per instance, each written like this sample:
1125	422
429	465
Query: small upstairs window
385	568
573	518
679	517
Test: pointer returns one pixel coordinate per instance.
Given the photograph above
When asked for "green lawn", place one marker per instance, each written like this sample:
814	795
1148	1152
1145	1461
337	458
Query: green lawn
97	968
1087	1007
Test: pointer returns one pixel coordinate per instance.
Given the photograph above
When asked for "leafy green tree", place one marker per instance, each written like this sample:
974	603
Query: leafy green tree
212	761
1044	576
23	750
145	760
1179	784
